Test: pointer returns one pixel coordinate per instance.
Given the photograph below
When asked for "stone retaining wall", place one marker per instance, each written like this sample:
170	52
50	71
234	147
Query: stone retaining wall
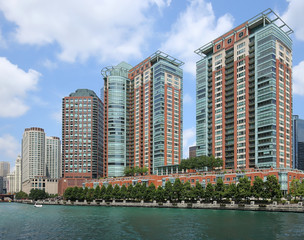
274	207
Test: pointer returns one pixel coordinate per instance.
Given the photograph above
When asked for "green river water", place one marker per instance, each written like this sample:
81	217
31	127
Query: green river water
22	221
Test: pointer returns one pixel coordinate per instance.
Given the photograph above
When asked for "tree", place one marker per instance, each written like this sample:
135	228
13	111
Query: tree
294	188
36	194
123	192
130	192
81	195
243	188
85	193
90	194
160	194
150	192
219	189
116	192
230	191
209	193
74	194
177	190
21	195
272	187
103	191
198	191
188	191
97	192
258	188
109	191
168	191
68	193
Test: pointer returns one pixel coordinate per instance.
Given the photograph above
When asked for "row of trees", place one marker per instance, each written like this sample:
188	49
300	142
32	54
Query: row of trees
135	171
35	194
179	191
201	162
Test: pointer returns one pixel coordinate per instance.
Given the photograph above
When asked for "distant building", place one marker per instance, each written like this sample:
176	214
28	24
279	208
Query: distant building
298	142
33	153
53	157
192	151
18	170
1	185
11	185
244	95
4	168
82	135
49	185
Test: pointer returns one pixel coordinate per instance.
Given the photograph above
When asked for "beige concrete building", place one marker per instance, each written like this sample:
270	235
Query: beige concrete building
47	184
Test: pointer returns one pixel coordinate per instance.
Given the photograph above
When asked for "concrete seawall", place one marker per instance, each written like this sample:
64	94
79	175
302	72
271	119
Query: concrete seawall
274	207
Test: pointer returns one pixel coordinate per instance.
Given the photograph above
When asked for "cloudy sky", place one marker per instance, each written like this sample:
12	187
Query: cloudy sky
48	49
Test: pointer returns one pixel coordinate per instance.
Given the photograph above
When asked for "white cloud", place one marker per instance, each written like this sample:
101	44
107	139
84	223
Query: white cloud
9	147
294	17
196	26
187	98
49	64
298	79
15	83
189	139
108	30
2	41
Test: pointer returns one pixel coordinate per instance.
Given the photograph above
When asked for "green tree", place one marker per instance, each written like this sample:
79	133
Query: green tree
258	188
188	192
219	189
85	193
123	192
209	193
160	194
168	191
109	192
243	188
150	192
272	187
294	188
103	191
97	192
198	191
21	195
81	194
116	192
36	194
90	194
231	191
130	192
177	190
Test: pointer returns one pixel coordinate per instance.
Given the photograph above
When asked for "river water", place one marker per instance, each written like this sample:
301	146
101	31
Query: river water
22	221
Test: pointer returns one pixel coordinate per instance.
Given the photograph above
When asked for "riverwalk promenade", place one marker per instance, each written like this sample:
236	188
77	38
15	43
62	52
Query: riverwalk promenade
271	207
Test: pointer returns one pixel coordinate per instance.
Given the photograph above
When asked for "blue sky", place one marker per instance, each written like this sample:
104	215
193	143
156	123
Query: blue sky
48	49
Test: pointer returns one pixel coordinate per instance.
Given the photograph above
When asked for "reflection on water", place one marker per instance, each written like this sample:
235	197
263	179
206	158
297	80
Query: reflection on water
21	221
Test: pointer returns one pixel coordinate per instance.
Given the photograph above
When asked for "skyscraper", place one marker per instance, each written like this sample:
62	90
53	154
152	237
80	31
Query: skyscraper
82	135
116	104
18	183
143	115
244	95
33	153
4	169
53	157
298	142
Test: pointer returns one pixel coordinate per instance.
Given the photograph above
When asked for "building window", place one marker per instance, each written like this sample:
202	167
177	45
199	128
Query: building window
229	41
241	34
218	47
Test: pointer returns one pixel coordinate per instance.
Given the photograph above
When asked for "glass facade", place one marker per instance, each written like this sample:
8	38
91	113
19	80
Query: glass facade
244	95
298	143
